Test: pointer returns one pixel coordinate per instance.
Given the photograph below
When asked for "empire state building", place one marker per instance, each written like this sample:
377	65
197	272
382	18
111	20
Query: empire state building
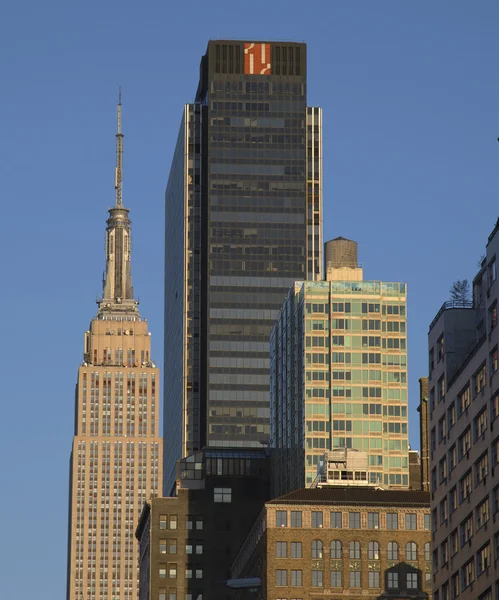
116	458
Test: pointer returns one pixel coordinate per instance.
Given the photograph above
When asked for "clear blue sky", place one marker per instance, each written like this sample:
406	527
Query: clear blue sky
410	93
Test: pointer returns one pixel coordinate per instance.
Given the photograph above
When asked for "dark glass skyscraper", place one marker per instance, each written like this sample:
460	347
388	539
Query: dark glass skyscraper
243	222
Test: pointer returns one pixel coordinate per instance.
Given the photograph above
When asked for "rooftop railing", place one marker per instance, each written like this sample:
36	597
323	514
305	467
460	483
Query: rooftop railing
446	306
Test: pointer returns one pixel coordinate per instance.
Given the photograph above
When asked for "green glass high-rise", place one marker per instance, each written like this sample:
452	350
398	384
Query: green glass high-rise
339	374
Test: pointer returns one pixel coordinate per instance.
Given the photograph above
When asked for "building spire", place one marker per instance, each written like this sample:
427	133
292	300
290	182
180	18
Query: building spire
118	185
117	295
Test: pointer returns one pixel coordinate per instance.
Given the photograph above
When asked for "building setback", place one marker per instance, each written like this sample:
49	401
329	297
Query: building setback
464	438
332	542
188	542
116	458
339	374
243	222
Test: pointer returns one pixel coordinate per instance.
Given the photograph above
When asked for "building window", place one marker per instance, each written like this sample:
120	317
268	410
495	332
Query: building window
162	546
373	551
494	361
317	518
392	521
173	521
480	379
281	518
480	424
222	495
493	316
172	594
296	518
336	579
412	581
467	574
354	520
296	550
494	407
451	416
316	549
162	594
281	577
452	457
481	468
466	529
373	520
317	579
444	511
444	553
393	551
454	585
172	571
427	522
411	551
495	452
410	521
442	470
162	571
373	579
453	499
464	444
355	579
427	551
188	573
393	581
483	559
281	549
482	513
172	549
335	549
354	549
441	389
440	348
431	361
296	578
335	520
163	522
464	400
454	543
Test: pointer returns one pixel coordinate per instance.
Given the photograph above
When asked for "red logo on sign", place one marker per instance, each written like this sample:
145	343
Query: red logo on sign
257	59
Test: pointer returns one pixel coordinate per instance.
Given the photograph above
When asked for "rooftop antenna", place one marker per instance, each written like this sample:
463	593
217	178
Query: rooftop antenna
118	184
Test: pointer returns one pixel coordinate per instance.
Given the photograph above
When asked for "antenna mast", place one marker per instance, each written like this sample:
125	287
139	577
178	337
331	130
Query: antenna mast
118	184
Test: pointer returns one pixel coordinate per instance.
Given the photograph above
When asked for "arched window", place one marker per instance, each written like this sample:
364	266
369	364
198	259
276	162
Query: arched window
393	551
335	549
373	551
427	551
411	551
316	549
354	549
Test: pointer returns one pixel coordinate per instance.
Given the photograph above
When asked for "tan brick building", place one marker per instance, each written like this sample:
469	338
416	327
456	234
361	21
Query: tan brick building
116	459
332	542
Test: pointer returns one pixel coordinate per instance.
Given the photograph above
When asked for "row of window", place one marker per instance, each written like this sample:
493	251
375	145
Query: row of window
170	571
462	535
354	550
464	577
295	578
354	520
171	594
171	522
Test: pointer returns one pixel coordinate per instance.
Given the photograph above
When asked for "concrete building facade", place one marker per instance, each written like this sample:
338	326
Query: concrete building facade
187	543
335	542
116	458
243	222
464	439
339	374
